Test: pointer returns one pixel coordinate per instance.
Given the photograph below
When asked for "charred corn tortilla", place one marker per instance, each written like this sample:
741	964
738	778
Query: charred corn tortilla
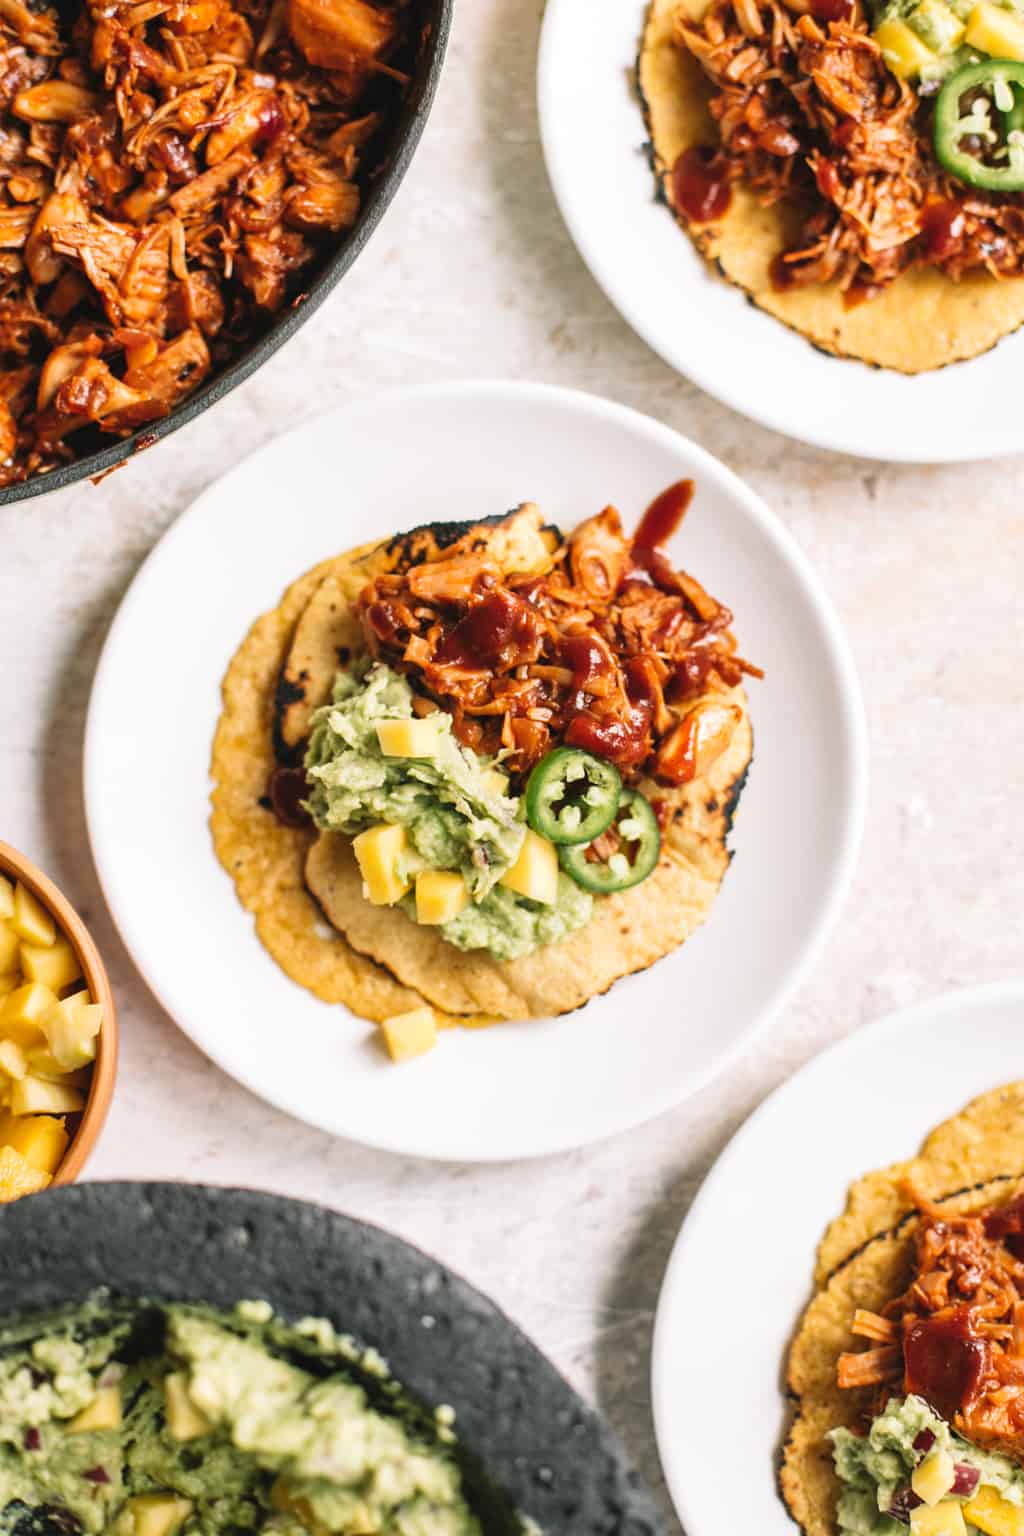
305	891
866	1258
923	321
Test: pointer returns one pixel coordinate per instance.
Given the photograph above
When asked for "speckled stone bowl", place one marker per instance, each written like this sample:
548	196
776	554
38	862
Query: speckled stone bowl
446	1343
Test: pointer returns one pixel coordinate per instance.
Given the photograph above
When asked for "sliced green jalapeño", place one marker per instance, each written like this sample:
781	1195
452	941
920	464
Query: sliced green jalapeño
967	110
572	797
639	844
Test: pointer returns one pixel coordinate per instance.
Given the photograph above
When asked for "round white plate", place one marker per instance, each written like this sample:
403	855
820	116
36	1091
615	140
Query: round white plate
594	143
745	1255
463	452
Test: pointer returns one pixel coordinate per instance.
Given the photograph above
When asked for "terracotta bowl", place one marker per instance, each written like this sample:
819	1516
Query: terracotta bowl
101	1090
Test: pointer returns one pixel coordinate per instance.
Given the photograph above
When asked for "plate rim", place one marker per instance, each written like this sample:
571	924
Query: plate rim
591	251
1010	989
849	698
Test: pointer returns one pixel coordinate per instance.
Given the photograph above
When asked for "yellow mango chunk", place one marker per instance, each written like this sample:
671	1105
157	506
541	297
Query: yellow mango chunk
440	895
41	1140
184	1420
377	852
104	1412
535	872
30	920
410	1034
992	1514
36	1096
153	1514
934	1477
6	897
71	1028
56	966
945	1519
9	982
9	945
22	1012
993	30
902	49
408	738
12	1060
18	1177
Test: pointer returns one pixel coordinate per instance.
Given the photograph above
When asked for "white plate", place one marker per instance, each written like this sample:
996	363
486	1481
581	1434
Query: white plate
593	136
463	452
745	1256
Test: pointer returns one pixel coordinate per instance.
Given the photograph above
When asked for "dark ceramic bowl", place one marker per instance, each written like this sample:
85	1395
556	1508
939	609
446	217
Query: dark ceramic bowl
517	1419
434	21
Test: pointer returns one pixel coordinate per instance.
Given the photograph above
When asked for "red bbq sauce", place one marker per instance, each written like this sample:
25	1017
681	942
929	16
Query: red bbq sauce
500	628
700	185
587	660
663	517
286	789
945	1360
832	10
942	229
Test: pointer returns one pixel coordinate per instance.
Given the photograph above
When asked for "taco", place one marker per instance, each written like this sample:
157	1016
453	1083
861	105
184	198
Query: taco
907	1370
856	166
482	771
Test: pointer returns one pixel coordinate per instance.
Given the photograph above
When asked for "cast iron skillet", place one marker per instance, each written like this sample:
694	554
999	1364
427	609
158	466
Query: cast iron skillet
517	1418
434	21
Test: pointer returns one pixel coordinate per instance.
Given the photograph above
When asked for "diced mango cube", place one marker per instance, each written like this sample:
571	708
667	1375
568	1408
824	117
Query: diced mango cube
104	1412
71	1028
41	1140
9	982
902	49
378	852
56	966
535	872
18	1177
408	738
933	1477
12	1060
6	897
945	1519
153	1514
184	1419
993	30
440	895
30	920
9	945
22	1012
410	1034
36	1096
994	1515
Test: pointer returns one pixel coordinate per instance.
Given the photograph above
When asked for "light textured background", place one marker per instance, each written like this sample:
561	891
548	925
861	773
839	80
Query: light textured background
472	274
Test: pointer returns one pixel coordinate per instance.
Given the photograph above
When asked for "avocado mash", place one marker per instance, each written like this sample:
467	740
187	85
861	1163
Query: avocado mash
875	1468
175	1420
452	804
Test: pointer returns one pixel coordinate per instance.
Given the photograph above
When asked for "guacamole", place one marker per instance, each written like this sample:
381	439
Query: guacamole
176	1420
454	807
873	1469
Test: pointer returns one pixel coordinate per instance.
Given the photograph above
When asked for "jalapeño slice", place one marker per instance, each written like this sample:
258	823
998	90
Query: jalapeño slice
639	846
968	143
572	797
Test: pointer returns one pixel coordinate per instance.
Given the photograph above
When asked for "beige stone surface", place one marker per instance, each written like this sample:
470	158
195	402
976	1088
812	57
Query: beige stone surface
470	274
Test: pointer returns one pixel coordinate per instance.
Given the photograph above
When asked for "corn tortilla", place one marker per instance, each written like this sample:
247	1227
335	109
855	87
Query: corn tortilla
923	321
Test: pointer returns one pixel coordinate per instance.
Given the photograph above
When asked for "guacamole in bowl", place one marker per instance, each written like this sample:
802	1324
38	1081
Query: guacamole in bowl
360	1389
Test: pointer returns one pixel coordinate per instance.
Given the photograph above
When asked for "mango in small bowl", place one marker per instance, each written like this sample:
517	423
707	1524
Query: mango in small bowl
58	1034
